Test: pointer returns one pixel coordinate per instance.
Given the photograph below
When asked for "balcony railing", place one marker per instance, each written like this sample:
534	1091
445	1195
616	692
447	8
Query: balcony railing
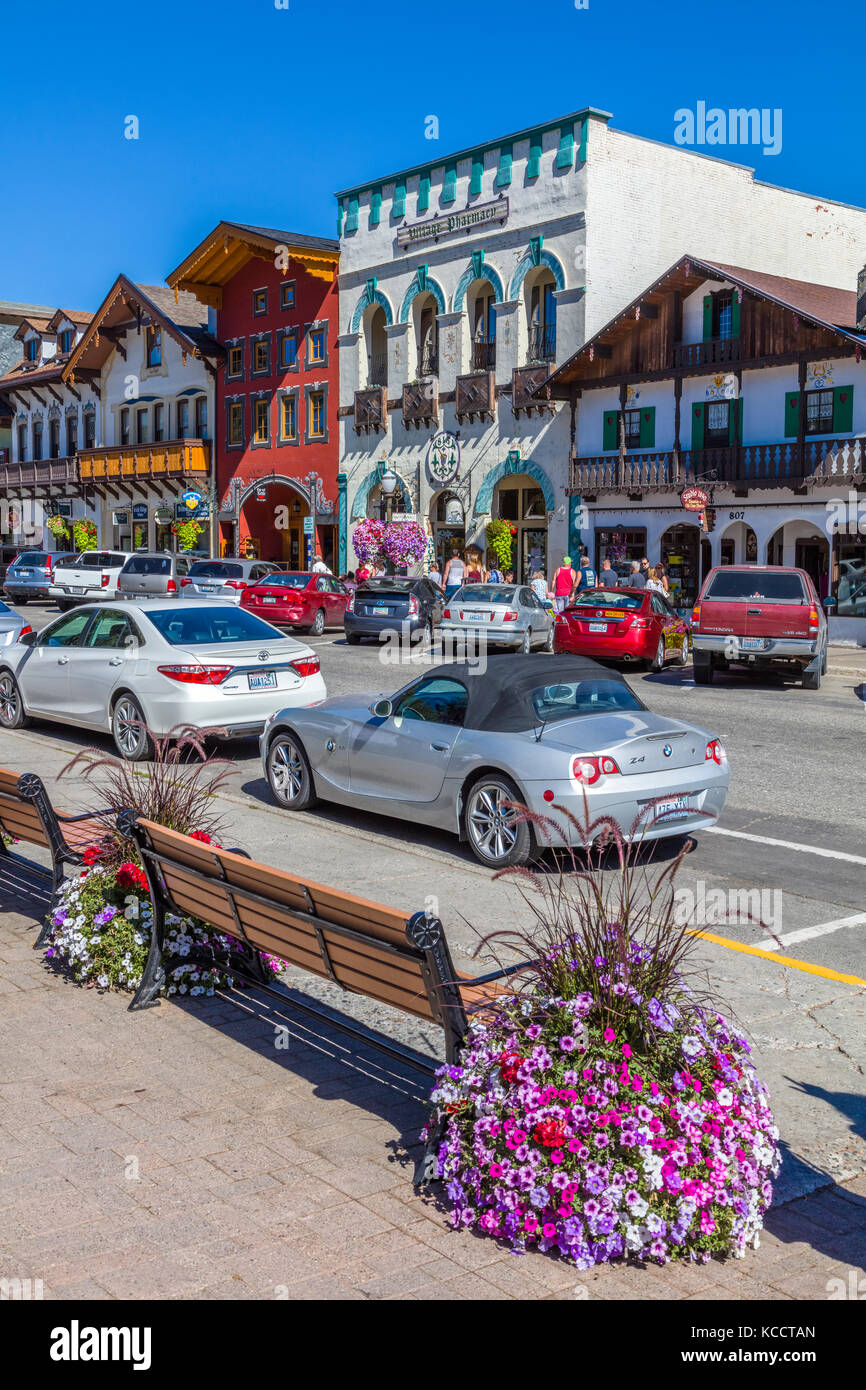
525	381
483	354
172	458
420	403
475	395
822	462
61	472
371	410
542	342
428	360
377	371
711	352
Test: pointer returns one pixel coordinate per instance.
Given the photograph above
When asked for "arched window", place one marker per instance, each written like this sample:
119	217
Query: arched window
481	299
424	310
376	345
538	289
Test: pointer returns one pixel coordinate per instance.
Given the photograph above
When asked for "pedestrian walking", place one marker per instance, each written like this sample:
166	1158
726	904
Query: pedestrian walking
653	582
538	584
634	579
319	566
586	578
454	571
562	584
607	575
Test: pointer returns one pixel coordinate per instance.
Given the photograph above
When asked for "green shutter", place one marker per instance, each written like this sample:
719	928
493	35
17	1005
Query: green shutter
698	414
449	187
611	430
584	132
533	168
398	208
503	173
375	207
648	427
735	315
424	193
843	409
565	153
792	414
733	414
477	174
352	219
708	316
339	218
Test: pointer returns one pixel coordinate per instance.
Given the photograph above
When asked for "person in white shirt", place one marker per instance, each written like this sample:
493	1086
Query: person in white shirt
319	566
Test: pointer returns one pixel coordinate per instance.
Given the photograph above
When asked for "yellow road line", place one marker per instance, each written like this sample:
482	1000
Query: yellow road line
780	960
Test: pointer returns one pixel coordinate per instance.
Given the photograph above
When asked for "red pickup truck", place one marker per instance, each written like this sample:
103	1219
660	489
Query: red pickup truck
760	617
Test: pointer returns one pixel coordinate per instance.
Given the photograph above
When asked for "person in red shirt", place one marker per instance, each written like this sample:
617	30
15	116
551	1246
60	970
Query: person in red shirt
562	584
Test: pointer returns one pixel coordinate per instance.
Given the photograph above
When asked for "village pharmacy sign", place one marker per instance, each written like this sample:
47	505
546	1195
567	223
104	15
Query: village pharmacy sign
466	221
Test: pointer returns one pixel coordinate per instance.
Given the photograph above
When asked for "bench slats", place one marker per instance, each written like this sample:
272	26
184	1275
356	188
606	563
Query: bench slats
21	819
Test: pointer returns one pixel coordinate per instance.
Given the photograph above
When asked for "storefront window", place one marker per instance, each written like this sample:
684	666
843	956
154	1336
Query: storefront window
620	546
850	587
680	548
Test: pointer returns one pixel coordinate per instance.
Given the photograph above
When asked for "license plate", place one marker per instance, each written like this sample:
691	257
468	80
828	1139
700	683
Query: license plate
678	807
24	574
207	588
598	627
752	644
379	612
263	680
267	599
476	618
77	589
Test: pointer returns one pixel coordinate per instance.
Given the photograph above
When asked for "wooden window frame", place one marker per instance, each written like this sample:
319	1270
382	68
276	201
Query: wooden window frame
260	313
293	395
256	402
283	335
320	389
235	347
312	330
288	294
260	340
231	407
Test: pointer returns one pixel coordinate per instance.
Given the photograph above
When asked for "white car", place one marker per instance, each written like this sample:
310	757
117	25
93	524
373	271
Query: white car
137	669
85	577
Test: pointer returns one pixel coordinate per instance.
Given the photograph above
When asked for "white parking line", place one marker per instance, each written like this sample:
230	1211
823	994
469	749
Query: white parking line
808	933
786	844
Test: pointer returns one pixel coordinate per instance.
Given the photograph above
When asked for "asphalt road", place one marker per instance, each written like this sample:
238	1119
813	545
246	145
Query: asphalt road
789	847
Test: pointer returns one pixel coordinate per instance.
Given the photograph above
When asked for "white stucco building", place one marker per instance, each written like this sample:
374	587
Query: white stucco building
465	280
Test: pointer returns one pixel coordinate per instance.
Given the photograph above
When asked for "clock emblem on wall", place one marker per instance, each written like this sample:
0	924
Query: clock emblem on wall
443	457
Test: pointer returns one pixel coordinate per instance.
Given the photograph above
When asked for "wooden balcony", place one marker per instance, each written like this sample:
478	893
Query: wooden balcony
136	465
476	396
712	352
822	462
421	403
371	410
44	473
525	381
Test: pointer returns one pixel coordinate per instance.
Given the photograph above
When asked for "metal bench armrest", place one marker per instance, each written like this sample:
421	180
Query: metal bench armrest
86	815
495	975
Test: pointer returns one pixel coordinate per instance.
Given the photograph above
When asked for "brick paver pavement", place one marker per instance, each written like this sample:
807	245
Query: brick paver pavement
180	1153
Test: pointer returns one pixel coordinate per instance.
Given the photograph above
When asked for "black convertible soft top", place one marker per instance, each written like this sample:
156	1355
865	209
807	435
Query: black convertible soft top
500	698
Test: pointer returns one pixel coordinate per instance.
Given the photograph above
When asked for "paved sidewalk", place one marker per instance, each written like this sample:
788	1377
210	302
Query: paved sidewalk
179	1153
846	661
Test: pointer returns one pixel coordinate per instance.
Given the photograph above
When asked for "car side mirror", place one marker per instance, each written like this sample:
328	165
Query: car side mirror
28	639
382	709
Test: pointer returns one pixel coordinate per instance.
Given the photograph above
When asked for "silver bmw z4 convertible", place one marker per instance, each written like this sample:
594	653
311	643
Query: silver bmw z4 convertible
458	748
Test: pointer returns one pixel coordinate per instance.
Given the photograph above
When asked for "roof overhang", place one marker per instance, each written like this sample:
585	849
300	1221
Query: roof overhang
125	306
229	248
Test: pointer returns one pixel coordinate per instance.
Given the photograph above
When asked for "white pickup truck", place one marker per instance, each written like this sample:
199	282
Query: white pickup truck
88	577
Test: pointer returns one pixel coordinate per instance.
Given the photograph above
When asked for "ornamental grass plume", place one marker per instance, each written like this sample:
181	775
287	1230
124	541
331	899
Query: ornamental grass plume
177	788
602	1108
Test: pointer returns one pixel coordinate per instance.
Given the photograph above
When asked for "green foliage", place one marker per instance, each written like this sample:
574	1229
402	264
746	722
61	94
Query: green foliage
498	534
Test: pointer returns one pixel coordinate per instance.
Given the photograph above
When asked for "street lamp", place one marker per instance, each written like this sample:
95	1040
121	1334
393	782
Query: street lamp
389	482
312	481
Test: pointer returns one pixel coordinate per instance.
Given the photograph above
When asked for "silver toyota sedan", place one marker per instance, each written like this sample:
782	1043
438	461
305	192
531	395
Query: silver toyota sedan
503	615
136	669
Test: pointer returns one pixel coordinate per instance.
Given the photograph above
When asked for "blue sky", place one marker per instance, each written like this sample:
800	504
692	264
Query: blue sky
258	114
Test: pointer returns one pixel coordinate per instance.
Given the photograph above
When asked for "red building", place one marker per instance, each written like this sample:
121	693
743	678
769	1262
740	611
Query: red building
272	297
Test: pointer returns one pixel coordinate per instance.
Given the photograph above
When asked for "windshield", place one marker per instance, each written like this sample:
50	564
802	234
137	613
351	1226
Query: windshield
485	593
748	584
287	581
148	564
569	699
33	557
214	569
395	582
608	598
186	625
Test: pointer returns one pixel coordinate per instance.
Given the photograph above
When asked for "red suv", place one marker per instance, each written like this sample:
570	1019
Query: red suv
760	617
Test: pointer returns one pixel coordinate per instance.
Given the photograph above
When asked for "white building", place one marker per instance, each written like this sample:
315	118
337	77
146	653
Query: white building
741	394
463	281
148	356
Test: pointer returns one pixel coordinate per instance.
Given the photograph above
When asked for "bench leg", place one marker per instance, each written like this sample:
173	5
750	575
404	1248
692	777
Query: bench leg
153	975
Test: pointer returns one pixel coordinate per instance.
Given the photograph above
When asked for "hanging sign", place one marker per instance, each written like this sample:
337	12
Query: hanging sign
694	499
722	387
443	457
120	518
163	515
308	525
261	494
471	218
191	498
139	511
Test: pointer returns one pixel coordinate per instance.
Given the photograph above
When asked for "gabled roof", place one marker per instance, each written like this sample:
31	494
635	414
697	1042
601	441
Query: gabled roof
229	247
130	305
824	306
39	325
78	317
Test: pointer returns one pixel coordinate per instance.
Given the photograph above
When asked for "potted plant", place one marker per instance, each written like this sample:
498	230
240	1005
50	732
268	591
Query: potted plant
499	538
187	533
604	1107
84	535
59	528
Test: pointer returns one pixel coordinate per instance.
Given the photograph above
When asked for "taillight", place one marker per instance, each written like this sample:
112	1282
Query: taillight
715	752
25	629
591	770
105	579
350	605
813	620
560	618
447	613
696	615
413	606
306	665
184	582
196	675
639	623
235	584
509	616
171	587
49	570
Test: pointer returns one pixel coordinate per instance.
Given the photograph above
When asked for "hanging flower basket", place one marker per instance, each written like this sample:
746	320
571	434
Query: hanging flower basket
187	533
58	526
404	543
367	540
84	535
499	536
603	1110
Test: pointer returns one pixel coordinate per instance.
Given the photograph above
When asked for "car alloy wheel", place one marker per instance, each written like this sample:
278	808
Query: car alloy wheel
659	661
496	833
130	734
318	626
548	645
685	650
289	773
526	642
11	709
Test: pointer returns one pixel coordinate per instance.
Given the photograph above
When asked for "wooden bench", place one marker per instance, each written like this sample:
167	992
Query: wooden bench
361	946
26	814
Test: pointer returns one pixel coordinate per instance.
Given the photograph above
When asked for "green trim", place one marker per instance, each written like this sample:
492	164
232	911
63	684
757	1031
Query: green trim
424	192
584	137
449	187
843	409
565	153
375	207
792	414
735	313
503	173
398	207
477	175
533	167
339	218
648	427
352	219
610	431
699	415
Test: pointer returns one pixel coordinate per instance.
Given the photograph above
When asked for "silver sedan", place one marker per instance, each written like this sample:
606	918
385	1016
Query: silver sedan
137	669
501	615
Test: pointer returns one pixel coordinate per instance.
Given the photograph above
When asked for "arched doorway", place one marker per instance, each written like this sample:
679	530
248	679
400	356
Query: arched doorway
448	523
271	525
518	499
738	545
376	345
424	311
680	554
801	544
